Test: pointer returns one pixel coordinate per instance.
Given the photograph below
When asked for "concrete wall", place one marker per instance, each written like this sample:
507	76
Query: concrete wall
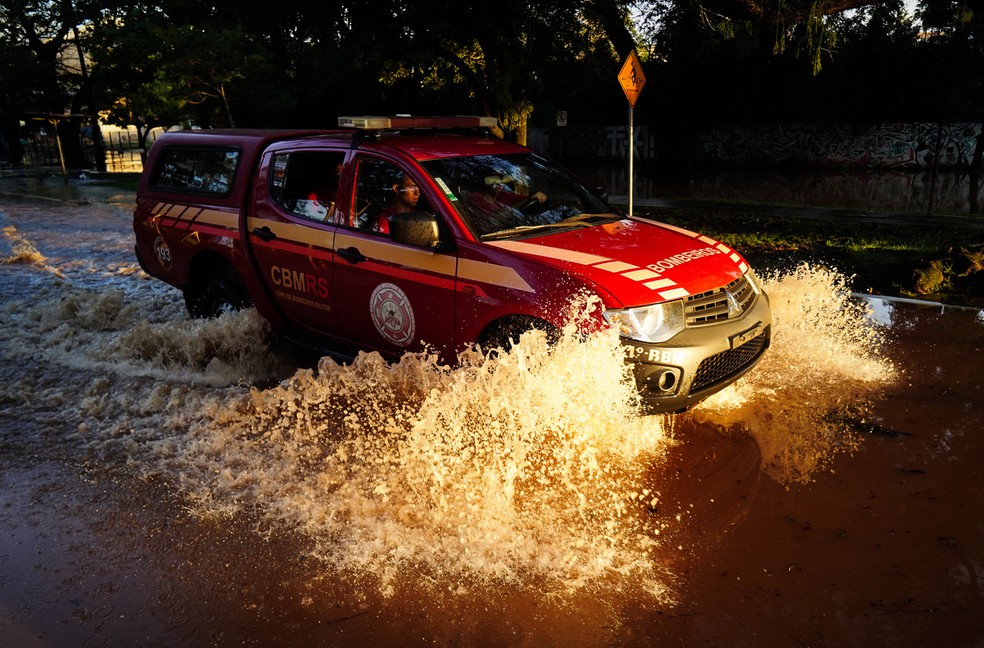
884	146
606	143
878	146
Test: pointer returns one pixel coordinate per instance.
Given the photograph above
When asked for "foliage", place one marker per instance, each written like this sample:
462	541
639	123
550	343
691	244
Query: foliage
301	64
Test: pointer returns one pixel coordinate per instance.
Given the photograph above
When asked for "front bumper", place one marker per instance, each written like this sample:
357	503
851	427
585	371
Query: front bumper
701	360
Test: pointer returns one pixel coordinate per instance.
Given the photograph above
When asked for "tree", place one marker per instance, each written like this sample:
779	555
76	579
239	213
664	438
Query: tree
236	62
786	12
955	31
202	63
875	59
17	77
36	36
127	77
501	61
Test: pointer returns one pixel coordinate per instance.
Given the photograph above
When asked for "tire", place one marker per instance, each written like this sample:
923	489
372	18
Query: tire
214	291
506	332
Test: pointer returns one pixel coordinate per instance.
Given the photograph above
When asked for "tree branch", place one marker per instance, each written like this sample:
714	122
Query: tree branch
772	11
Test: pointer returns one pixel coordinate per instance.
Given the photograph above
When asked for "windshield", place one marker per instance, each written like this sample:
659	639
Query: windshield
502	196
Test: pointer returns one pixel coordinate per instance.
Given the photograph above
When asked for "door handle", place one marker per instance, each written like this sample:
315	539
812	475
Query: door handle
351	254
264	233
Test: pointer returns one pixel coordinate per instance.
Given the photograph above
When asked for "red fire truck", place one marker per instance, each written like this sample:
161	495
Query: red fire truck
394	234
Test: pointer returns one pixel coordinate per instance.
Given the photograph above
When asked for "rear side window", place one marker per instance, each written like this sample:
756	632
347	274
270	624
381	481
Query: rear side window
199	170
305	182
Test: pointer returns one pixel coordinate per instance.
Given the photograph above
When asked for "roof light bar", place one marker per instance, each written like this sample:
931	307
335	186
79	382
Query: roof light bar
403	122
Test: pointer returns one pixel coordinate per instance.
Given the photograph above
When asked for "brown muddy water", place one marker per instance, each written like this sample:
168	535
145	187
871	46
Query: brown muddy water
166	482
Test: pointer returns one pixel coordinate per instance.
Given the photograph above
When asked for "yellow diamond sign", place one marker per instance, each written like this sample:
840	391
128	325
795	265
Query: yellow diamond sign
632	78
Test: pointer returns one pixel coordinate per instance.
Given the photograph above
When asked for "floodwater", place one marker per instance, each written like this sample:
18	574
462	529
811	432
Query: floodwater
167	482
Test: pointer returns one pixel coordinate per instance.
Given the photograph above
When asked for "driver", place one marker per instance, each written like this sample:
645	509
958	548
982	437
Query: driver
406	195
496	206
502	190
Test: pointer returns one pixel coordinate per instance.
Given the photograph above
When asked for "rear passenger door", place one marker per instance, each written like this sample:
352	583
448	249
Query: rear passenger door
387	296
291	232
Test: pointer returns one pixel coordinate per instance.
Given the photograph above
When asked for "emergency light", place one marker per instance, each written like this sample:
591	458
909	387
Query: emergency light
403	122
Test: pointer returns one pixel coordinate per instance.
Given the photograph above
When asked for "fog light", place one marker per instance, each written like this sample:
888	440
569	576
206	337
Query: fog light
667	381
664	381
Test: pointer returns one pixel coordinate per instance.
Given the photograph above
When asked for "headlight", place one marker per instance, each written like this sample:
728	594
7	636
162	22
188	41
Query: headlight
654	323
753	281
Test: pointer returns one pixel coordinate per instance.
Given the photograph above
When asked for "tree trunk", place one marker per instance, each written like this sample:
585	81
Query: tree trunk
69	132
225	107
975	164
515	120
975	171
85	90
11	134
609	14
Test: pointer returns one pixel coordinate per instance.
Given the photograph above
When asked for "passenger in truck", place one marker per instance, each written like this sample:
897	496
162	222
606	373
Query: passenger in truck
323	196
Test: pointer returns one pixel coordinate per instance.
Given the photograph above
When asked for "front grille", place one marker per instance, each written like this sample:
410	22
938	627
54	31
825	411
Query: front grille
724	365
720	304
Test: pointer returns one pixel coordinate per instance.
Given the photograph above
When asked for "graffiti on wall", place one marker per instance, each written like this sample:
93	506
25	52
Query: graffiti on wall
617	143
914	145
895	190
608	143
880	146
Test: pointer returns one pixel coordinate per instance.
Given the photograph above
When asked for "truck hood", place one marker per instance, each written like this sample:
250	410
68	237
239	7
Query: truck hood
638	261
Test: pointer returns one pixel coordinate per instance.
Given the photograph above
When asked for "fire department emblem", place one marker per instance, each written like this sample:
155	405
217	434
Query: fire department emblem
392	314
163	253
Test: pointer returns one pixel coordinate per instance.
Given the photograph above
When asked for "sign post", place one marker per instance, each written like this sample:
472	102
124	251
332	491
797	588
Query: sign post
632	79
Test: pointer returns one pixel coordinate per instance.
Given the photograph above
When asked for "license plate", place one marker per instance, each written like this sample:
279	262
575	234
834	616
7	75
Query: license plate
742	338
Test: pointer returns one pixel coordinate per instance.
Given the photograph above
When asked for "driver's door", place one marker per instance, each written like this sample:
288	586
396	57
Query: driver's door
387	296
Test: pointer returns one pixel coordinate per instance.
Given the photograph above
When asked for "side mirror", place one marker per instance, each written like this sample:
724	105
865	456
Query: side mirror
419	229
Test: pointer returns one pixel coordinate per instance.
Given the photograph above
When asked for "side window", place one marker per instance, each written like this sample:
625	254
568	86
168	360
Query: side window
383	189
198	170
305	182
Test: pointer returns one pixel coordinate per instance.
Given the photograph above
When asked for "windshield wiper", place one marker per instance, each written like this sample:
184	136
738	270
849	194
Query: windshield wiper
581	220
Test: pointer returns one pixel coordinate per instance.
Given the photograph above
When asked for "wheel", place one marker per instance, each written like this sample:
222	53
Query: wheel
503	334
215	291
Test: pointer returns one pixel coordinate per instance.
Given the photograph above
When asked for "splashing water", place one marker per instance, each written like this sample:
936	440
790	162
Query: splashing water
485	471
826	353
23	251
525	467
532	468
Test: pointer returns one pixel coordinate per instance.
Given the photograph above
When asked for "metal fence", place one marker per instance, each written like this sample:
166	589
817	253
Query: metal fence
120	146
122	150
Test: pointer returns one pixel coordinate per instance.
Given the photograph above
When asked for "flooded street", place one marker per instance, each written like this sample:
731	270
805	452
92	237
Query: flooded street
174	482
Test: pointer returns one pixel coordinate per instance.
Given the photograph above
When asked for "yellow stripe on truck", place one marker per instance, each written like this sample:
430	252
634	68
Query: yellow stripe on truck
443	264
291	233
645	276
219	218
490	273
195	215
560	254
